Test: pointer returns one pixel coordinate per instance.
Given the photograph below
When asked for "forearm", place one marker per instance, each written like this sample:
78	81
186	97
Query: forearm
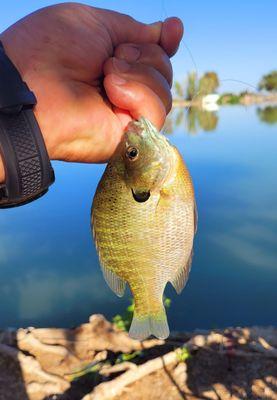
2	171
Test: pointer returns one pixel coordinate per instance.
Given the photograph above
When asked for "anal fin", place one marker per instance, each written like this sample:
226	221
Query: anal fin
180	279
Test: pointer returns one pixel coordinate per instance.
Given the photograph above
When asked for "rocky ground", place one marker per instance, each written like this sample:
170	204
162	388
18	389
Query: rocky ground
96	361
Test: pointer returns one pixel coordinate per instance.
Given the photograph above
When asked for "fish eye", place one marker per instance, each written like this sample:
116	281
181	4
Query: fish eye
132	153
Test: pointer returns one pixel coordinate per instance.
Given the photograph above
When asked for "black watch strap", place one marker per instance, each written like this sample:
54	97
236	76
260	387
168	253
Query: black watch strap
27	166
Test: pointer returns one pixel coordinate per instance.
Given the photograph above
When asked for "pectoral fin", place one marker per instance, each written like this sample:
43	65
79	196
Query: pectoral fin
180	279
114	282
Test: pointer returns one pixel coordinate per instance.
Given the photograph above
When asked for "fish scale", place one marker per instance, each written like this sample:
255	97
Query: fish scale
145	244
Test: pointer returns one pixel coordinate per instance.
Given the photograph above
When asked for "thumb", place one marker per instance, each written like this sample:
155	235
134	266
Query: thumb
123	28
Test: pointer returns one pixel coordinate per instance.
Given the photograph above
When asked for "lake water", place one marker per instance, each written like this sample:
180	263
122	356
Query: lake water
49	271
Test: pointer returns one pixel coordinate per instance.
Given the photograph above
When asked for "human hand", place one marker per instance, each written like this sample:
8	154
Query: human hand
72	58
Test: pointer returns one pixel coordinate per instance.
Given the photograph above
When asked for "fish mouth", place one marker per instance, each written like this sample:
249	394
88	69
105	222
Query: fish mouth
141	197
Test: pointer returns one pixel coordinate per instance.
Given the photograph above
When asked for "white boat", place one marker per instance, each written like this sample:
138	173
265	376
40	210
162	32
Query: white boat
209	102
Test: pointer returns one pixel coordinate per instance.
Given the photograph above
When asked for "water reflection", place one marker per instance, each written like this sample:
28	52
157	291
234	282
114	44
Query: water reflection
195	119
268	114
49	270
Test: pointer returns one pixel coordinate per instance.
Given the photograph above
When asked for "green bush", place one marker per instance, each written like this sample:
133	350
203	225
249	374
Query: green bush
229	98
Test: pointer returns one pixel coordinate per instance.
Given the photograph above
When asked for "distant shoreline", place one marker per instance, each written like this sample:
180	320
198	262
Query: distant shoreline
247	99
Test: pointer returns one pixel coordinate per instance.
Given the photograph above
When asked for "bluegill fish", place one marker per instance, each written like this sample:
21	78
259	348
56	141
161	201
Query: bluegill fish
144	221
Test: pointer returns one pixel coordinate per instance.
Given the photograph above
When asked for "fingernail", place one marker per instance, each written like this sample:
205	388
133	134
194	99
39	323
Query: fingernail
120	65
176	23
129	53
176	19
117	80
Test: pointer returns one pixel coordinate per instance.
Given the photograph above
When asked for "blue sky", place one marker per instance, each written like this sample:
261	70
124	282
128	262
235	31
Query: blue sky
237	39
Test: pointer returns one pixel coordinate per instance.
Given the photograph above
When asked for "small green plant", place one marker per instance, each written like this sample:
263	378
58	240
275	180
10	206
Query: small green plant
167	302
128	356
184	354
123	322
91	368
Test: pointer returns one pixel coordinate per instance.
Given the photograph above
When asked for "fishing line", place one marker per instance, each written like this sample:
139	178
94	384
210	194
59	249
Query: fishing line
239	81
183	43
191	56
186	47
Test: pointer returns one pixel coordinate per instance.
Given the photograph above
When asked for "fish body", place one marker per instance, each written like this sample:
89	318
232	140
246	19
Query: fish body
144	221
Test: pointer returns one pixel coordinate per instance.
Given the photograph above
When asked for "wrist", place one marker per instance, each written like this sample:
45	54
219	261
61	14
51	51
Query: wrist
25	161
2	171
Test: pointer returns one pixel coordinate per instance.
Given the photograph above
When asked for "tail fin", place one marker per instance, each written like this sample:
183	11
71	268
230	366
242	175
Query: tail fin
153	324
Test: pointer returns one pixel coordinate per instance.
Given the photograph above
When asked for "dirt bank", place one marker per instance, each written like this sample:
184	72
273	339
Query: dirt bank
95	361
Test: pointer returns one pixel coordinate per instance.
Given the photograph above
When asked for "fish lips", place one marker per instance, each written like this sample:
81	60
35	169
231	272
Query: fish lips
141	197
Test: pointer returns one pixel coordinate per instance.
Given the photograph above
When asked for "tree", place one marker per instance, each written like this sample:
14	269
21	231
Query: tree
195	88
208	83
191	86
179	89
269	82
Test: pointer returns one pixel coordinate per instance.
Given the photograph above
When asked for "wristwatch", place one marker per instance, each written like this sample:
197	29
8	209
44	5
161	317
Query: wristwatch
27	166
